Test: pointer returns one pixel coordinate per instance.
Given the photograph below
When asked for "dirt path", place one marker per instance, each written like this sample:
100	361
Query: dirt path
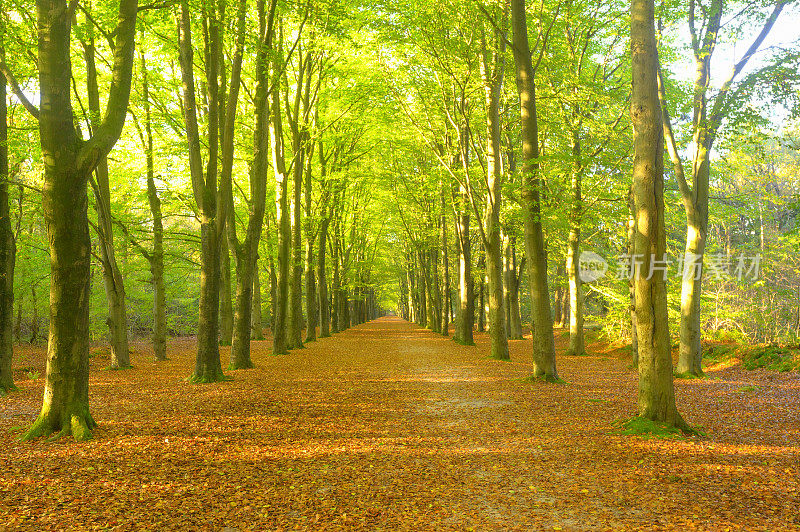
389	426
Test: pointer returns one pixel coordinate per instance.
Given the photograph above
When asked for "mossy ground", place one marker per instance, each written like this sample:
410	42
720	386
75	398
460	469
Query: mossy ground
772	358
459	341
649	429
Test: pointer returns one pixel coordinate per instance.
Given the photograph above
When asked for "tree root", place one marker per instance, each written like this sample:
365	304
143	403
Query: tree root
79	425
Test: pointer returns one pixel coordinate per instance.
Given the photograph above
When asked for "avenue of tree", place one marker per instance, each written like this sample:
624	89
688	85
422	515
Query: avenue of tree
219	168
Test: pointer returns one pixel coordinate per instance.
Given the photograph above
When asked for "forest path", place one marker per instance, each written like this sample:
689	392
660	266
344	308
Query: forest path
390	426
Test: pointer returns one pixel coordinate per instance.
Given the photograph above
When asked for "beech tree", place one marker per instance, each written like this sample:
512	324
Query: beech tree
709	109
69	162
8	248
208	196
544	364
656	391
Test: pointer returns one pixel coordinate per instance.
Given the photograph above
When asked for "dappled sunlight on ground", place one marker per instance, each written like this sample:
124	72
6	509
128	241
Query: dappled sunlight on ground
391	426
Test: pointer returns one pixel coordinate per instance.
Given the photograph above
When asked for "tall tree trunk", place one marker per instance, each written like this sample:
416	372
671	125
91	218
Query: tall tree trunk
279	341
294	324
515	318
481	294
631	285
34	337
246	252
446	273
208	367
577	344
69	162
435	319
156	258
117	319
273	281
324	308
412	291
8	248
311	282
557	319
225	290
493	87
344	308
511	295
656	391
544	358
336	294
465	317
422	290
257	320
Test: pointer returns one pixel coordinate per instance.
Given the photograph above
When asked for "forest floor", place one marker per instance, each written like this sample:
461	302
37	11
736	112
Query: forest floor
390	426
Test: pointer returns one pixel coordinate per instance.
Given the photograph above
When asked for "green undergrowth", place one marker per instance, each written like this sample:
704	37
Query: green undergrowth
771	357
715	354
649	429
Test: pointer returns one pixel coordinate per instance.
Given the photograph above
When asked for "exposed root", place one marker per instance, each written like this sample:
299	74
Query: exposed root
688	375
546	378
77	425
241	365
208	378
648	428
460	341
7	388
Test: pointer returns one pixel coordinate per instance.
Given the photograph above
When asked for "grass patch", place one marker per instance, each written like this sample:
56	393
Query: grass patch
747	389
771	357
